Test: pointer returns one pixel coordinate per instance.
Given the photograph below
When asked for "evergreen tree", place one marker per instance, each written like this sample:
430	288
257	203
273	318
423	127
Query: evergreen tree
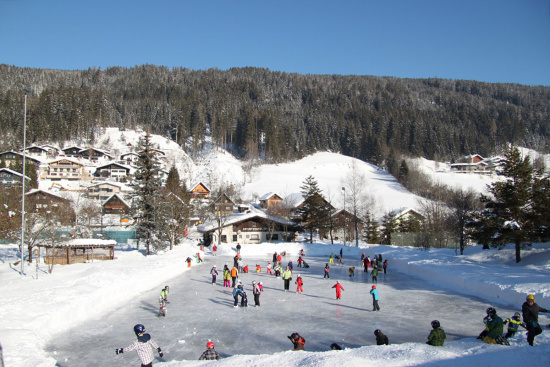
371	232
147	194
541	205
315	212
389	225
403	176
510	213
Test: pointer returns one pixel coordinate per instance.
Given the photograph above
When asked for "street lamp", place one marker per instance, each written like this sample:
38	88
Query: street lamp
23	182
344	189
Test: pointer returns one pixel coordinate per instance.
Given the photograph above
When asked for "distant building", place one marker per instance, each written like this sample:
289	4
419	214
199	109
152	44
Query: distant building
9	177
199	191
270	199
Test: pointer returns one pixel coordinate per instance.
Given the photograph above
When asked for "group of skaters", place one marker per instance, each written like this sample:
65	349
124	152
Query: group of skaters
494	325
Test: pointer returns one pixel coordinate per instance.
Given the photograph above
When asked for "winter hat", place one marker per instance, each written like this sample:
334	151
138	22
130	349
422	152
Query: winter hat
517	315
214	266
253	282
210	344
531	298
299	275
337	282
373	287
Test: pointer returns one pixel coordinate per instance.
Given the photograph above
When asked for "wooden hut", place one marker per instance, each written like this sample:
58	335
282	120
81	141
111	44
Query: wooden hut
79	251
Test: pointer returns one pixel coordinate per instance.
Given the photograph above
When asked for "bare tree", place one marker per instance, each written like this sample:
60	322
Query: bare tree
462	203
357	199
173	216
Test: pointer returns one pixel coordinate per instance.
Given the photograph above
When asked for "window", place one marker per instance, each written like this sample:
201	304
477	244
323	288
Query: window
235	238
224	238
255	237
272	236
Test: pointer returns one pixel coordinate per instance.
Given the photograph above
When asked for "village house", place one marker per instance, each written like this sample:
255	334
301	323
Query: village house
73	151
104	190
11	158
343	218
114	171
9	177
65	169
115	205
224	205
199	191
252	227
131	159
94	155
38	152
269	200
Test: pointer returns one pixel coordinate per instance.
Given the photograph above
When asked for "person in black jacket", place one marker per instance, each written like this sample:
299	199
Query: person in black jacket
381	339
531	318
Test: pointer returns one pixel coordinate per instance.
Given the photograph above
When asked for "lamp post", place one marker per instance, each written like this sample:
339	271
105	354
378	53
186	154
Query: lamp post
23	183
344	189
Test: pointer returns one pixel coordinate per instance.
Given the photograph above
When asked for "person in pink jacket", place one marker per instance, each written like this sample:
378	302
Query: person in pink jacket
339	289
300	283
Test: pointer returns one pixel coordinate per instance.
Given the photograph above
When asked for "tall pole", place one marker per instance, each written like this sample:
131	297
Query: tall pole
344	189
23	185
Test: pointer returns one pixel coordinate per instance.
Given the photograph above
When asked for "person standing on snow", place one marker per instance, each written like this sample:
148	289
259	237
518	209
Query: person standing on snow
300	261
327	269
531	318
143	345
234	274
381	339
164	293
374	275
366	265
385	265
339	289
274	257
437	335
214	274
287	277
256	292
209	354
331	258
269	268
290	265
374	293
226	278
239	291
300	282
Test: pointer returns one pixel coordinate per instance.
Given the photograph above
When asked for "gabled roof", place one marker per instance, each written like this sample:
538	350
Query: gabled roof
239	218
72	147
115	164
224	195
118	196
197	184
39	191
36	147
104	152
398	213
21	155
269	195
294	200
14	173
129	153
65	159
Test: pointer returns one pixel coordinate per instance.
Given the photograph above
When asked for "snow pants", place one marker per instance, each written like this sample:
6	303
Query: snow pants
375	306
256	299
327	275
213	279
233	281
287	284
533	330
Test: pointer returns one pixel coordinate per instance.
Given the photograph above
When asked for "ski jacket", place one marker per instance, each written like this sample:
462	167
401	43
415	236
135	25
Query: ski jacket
163	293
144	348
214	271
375	272
495	327
374	293
256	289
279	258
437	337
514	324
381	339
531	313
385	264
339	289
287	274
299	281
238	291
300	260
209	355
226	275
234	272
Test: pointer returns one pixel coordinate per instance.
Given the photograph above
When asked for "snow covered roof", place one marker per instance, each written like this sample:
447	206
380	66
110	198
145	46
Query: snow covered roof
294	200
115	164
13	172
83	242
72	160
240	217
120	198
268	195
36	191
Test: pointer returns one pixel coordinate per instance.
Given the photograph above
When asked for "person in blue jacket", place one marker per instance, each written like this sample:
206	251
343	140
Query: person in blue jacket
374	293
239	291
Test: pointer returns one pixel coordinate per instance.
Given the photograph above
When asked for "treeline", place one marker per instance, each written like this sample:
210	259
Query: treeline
277	116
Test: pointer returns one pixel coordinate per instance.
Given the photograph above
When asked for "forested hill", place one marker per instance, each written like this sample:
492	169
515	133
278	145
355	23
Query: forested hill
277	116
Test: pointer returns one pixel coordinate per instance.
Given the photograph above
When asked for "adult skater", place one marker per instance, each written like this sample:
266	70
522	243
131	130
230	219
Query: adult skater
530	312
437	335
290	265
300	282
366	265
256	292
381	339
298	341
214	273
287	277
385	266
374	293
143	345
209	354
339	289
327	269
234	274
239	292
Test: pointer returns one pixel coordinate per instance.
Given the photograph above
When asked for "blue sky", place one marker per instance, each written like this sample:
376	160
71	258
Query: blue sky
493	40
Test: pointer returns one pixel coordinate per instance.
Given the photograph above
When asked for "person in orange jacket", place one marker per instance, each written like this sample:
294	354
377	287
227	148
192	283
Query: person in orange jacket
339	289
234	274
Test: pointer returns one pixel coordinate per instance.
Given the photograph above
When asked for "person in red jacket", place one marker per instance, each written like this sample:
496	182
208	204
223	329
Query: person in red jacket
339	289
300	283
300	261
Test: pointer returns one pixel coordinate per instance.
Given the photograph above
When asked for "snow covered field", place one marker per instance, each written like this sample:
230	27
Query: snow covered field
95	305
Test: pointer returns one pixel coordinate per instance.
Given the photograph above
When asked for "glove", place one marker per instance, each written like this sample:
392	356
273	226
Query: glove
119	351
160	352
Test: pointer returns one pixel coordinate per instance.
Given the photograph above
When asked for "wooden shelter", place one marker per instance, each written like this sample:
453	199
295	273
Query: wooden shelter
79	251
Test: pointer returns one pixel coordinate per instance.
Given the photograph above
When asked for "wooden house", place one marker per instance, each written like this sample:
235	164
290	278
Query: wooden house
345	222
269	200
104	190
199	191
73	151
130	159
9	177
115	205
65	169
224	205
11	158
94	155
114	171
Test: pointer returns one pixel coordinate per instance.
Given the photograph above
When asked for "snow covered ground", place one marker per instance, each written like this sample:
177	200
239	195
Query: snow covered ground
82	312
